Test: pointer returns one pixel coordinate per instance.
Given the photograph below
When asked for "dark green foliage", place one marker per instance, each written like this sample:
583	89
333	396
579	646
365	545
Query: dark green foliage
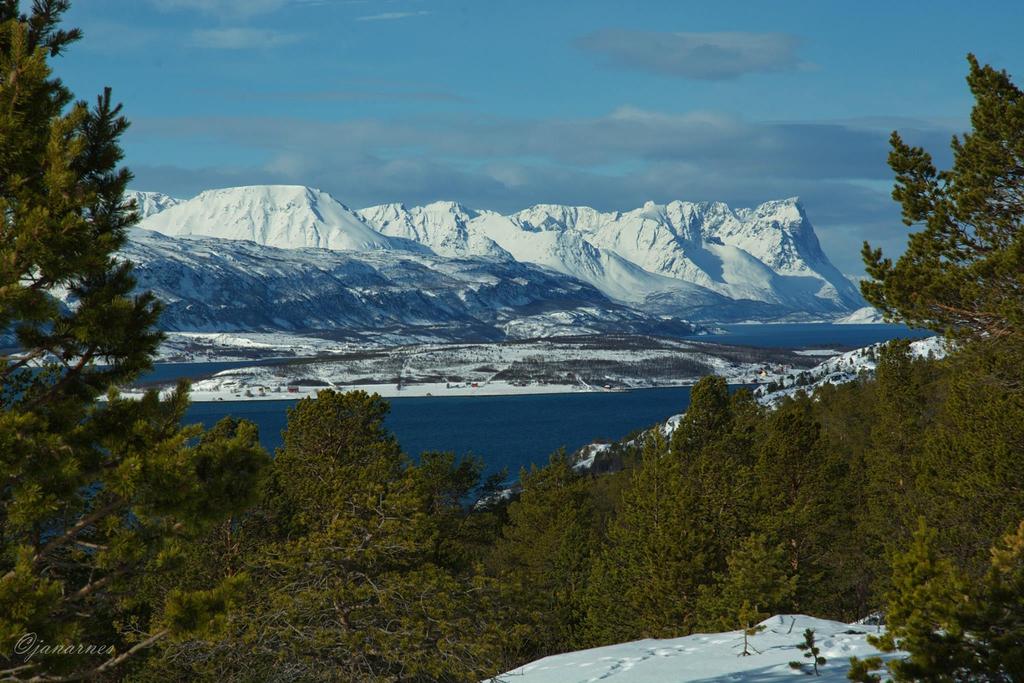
543	560
904	395
796	476
863	670
95	496
812	652
357	563
756	585
706	419
974	453
963	273
956	629
644	583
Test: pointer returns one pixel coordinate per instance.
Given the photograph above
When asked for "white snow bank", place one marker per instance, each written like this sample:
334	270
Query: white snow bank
709	657
867	315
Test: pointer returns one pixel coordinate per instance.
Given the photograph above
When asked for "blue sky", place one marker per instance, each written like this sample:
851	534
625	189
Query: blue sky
501	104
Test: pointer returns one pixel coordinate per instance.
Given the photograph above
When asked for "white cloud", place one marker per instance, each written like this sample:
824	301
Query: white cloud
226	7
391	16
702	56
240	38
234	8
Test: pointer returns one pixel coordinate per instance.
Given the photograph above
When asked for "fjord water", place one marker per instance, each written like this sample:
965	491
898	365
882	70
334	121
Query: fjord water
505	431
517	431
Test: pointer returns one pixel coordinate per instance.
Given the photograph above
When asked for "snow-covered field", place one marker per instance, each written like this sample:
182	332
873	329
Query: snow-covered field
230	390
709	657
211	347
569	364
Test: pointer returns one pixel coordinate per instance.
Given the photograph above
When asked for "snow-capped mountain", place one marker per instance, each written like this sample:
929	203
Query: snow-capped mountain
209	284
285	216
442	226
701	261
150	203
683	254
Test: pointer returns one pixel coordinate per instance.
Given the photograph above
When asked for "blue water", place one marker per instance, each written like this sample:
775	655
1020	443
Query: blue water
505	431
515	431
168	372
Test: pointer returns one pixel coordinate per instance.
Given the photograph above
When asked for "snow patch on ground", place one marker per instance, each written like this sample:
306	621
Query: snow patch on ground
709	656
556	365
843	368
862	316
588	455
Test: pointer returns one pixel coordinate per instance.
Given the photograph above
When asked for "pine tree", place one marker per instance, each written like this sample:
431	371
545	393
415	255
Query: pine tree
902	393
863	670
93	494
756	585
812	652
973	453
707	418
795	475
644	582
847	414
922	613
715	446
543	558
963	273
955	628
349	578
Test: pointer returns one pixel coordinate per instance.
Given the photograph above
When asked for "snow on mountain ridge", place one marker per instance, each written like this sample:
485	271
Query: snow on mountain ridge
441	226
150	203
284	216
768	254
680	258
217	285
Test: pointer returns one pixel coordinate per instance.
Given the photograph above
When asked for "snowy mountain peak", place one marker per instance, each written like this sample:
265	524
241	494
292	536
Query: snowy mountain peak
286	216
768	254
440	226
150	203
558	217
681	258
454	208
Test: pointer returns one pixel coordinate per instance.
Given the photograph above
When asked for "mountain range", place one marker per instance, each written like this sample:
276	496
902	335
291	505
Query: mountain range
293	257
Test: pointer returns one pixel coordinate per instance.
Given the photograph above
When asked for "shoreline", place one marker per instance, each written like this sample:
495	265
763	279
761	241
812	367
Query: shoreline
436	390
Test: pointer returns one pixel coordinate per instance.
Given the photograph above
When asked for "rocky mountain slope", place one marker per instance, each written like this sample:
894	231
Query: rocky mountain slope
210	284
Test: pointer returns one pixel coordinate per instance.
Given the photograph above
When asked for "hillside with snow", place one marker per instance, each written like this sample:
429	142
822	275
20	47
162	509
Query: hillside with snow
776	380
839	369
710	657
380	295
699	261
